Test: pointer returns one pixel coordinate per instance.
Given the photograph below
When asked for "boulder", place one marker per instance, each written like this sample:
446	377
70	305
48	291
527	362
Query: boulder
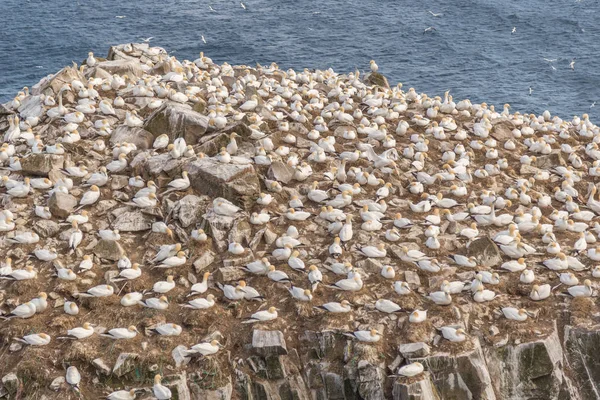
190	208
138	136
57	383
62	204
581	348
41	164
126	362
416	388
56	81
10	382
234	182
550	161
267	343
205	260
228	274
177	120
376	79
132	221
46	228
31	106
281	172
131	68
101	366
486	251
502	129
109	250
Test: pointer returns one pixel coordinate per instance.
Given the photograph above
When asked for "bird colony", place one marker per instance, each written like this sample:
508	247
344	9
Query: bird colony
381	214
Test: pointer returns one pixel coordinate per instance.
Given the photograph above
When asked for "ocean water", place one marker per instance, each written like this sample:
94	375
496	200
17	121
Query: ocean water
472	52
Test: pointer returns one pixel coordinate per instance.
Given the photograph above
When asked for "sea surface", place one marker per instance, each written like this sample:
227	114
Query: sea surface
472	52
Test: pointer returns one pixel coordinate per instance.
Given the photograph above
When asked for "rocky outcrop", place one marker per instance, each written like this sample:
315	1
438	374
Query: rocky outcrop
177	120
234	182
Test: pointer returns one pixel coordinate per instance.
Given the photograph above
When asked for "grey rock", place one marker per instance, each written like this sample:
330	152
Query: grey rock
177	120
57	383
220	226
412	278
376	79
62	204
132	221
65	75
205	260
463	375
118	182
140	137
281	172
10	382
122	67
222	393
179	356
237	183
267	343
41	164
417	388
502	129
414	350
190	209
46	228
109	250
229	274
15	346
101	366
550	161
486	251
125	363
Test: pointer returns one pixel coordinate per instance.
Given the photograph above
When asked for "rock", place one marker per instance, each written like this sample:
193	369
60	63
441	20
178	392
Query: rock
178	386
132	221
190	209
57	383
205	260
179	356
502	129
281	172
31	106
237	183
376	79
461	376
274	367
267	343
486	251
414	350
10	382
125	363
550	161
101	366
46	228
536	369
109	250
138	136
412	278
417	388
334	386
15	346
229	274
370	381
61	204
118	182
220	226
222	393
130	68
65	75
177	120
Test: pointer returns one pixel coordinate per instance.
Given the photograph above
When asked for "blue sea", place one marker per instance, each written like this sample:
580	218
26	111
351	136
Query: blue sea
472	52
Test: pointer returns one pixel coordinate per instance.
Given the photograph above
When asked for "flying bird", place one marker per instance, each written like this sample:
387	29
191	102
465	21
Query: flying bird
147	40
203	40
434	14
243	5
572	64
514	30
430	29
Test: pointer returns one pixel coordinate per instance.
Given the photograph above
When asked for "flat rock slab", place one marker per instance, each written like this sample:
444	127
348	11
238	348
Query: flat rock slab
486	251
122	67
267	343
132	221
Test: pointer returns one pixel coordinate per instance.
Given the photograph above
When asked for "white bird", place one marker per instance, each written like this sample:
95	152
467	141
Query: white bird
160	391
410	370
262	316
121	333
